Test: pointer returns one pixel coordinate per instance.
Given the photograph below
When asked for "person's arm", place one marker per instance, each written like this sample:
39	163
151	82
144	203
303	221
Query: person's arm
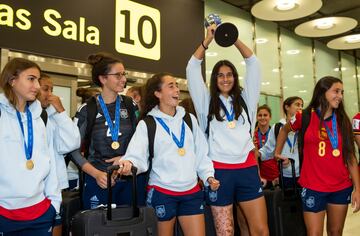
197	88
137	153
204	166
67	135
280	141
267	151
357	140
354	173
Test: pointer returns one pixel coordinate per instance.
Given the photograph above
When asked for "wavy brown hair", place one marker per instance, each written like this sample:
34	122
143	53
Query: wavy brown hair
235	92
318	100
149	101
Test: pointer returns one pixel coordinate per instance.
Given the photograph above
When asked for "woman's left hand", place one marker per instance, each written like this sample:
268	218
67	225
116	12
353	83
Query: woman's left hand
355	200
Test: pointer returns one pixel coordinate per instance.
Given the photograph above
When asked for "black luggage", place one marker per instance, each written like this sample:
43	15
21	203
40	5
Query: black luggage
121	221
70	205
284	208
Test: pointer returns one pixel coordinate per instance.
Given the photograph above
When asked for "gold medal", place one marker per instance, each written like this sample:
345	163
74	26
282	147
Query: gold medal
29	164
115	145
336	152
231	124
181	151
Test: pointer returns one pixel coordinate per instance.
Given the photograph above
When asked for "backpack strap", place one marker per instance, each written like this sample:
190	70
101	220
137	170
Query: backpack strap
44	116
131	109
151	129
305	121
91	112
277	129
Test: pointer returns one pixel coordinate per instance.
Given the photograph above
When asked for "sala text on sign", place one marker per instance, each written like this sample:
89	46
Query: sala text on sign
70	30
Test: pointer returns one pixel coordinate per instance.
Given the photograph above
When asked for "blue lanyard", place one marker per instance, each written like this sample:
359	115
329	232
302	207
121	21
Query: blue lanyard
292	145
229	116
179	144
333	137
114	130
29	146
260	137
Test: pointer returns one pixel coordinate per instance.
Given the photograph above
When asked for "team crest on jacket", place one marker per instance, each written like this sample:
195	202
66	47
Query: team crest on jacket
160	211
124	113
213	196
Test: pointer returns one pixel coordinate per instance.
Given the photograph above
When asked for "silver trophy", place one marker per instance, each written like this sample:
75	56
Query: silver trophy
225	34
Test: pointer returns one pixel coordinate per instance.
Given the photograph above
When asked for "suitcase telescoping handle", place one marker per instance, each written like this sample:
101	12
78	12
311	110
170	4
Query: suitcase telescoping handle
292	163
135	208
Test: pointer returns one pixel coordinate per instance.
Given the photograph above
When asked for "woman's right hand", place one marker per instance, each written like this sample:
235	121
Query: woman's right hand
285	160
209	34
125	167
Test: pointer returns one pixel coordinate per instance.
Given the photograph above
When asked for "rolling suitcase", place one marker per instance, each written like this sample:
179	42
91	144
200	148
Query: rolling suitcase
121	221
284	208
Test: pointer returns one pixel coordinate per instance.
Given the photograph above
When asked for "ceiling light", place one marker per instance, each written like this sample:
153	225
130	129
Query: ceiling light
298	76
302	91
243	63
285	5
293	51
265	83
353	38
326	26
261	40
342	69
324	23
275	70
211	54
241	78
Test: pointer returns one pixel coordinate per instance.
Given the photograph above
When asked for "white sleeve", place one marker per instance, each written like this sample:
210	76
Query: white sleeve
204	165
198	91
138	149
251	92
52	189
67	135
267	151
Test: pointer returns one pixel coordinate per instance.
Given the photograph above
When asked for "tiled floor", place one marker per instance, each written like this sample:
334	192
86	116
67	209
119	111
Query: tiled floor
352	224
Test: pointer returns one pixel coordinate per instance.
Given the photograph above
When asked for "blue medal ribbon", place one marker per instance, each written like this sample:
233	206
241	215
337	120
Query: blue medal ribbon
292	145
179	143
333	137
260	137
113	129
29	146
229	115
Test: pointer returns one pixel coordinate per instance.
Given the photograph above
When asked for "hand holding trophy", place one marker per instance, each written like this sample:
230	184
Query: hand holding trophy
225	34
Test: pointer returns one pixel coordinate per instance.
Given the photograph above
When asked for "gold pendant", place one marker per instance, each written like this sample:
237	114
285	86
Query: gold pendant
181	151
29	164
231	124
115	145
336	152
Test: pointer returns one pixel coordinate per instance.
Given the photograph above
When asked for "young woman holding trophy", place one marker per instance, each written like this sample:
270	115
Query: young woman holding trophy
226	113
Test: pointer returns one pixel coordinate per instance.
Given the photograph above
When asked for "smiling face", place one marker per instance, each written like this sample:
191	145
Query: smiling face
263	118
26	85
169	93
225	80
115	79
334	95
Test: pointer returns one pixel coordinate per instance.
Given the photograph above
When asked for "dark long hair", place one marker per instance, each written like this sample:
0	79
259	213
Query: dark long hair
318	100
149	101
235	91
289	101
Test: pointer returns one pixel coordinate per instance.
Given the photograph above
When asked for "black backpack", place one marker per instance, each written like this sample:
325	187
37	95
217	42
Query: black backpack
91	117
